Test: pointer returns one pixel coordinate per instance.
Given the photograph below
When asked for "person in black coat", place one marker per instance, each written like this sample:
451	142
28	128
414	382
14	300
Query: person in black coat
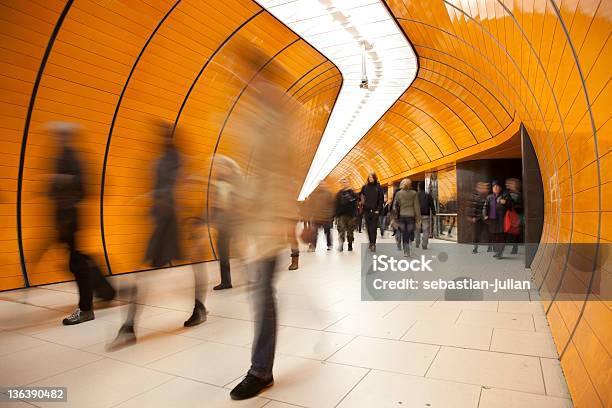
68	191
372	198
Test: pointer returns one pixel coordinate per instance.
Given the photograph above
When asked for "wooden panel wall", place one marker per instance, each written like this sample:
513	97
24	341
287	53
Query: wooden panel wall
485	67
116	68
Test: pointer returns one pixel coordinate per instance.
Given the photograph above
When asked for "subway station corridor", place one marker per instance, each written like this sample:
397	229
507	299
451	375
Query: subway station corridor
193	193
333	350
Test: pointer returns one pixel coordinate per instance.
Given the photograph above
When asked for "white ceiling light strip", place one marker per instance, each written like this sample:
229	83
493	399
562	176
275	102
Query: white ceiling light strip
343	30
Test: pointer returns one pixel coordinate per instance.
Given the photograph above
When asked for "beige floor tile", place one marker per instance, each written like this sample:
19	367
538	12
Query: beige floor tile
311	383
183	393
523	342
553	378
26	366
11	342
535	308
151	346
413	311
222	330
308	318
390	390
103	384
496	398
509	371
390	355
449	334
212	363
498	320
306	343
80	335
382	327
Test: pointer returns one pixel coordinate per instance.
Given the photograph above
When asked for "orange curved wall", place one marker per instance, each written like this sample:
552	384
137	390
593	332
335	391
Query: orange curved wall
485	67
116	67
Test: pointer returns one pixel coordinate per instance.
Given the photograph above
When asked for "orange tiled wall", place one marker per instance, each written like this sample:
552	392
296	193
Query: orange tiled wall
485	67
114	67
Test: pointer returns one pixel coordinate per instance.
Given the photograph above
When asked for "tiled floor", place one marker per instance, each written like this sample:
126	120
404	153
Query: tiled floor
332	350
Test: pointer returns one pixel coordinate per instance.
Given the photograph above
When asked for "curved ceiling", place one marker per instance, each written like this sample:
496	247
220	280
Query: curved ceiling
343	31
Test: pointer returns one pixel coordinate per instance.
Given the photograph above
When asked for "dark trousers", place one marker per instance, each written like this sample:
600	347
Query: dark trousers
407	226
264	344
371	219
499	243
87	275
223	253
359	222
479	230
326	229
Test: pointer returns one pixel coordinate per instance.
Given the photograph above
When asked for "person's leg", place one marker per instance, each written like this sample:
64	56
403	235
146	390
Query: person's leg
425	226
372	226
327	231
79	268
350	231
295	249
223	245
342	227
199	313
260	374
417	235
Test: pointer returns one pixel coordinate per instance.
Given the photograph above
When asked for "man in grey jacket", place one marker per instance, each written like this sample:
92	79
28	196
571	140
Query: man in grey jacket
406	205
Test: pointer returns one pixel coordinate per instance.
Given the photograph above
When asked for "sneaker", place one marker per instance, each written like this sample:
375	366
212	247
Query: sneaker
198	316
78	316
222	286
250	386
125	337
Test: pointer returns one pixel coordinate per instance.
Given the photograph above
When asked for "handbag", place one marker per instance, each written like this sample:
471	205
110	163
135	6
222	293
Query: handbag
512	223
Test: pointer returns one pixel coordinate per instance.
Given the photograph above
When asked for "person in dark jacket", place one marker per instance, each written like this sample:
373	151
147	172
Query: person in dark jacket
163	246
345	212
372	198
428	210
513	187
476	214
384	217
321	202
494	210
67	191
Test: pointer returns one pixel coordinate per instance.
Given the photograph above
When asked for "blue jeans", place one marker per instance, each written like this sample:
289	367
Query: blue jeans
264	344
406	226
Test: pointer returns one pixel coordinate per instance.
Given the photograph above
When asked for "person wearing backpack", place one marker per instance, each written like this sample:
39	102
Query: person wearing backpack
345	212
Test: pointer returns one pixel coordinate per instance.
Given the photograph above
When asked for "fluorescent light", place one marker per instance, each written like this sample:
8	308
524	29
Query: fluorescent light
338	28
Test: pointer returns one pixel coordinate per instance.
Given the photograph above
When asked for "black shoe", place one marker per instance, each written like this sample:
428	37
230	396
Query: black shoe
78	316
198	316
125	337
350	246
222	286
329	247
475	250
250	386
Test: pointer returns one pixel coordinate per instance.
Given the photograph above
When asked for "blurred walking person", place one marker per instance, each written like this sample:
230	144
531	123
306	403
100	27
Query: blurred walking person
163	246
476	215
408	213
68	191
345	212
428	210
513	187
384	217
322	204
273	186
372	197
